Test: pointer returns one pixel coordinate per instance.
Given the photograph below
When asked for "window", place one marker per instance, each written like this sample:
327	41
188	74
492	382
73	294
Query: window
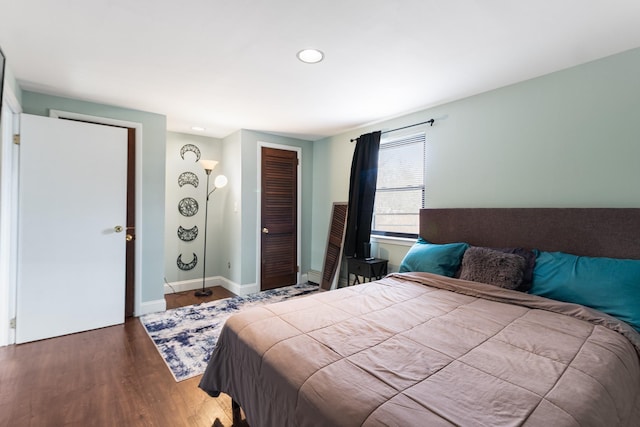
400	189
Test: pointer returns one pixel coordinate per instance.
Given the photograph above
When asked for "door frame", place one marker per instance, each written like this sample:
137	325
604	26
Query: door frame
8	216
59	114
298	151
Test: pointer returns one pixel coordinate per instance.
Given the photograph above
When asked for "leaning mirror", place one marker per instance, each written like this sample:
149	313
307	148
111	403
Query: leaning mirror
335	243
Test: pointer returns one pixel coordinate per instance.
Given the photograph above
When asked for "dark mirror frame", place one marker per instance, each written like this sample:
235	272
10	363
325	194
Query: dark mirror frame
335	243
2	61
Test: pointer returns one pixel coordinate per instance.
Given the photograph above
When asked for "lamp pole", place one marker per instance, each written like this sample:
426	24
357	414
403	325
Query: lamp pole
219	182
205	292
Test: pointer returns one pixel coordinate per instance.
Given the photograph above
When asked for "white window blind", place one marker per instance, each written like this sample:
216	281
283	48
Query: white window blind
400	189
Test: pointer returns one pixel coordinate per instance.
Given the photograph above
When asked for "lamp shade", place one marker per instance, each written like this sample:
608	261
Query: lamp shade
220	181
208	165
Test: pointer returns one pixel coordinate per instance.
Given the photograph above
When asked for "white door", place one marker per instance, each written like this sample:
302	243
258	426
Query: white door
71	258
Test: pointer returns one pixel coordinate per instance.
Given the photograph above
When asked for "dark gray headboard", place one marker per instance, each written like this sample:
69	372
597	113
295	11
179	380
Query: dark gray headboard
603	232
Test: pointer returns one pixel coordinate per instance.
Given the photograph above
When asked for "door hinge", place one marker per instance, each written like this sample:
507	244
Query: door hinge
16	139
297	269
12	323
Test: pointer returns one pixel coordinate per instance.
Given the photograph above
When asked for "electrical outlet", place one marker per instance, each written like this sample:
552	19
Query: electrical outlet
229	265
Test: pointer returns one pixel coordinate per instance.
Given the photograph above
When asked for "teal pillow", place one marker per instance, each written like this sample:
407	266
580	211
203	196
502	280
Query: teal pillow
607	284
432	258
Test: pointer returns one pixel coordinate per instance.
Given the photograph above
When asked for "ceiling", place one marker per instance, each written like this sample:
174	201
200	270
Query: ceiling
229	65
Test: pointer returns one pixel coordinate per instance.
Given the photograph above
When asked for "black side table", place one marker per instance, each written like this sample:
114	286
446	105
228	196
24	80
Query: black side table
372	269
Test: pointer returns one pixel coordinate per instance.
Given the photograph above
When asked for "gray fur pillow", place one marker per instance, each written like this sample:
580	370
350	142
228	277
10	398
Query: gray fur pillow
495	268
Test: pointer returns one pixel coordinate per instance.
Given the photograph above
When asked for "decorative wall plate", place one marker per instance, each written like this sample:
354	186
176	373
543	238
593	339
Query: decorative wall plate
188	178
190	147
188	206
188	235
189	266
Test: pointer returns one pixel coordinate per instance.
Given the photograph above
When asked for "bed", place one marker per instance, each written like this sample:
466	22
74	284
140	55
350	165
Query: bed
437	349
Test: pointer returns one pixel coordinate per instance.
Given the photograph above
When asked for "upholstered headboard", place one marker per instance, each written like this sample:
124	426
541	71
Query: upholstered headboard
601	232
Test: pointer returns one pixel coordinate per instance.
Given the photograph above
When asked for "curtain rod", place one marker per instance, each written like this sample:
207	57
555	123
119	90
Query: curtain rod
404	127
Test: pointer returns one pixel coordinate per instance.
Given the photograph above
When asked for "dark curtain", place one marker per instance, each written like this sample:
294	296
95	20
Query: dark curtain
362	193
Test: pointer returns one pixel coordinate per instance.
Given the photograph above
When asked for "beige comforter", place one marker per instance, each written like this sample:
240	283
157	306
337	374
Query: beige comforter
424	350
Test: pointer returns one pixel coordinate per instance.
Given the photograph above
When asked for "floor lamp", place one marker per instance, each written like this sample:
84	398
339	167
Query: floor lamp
219	182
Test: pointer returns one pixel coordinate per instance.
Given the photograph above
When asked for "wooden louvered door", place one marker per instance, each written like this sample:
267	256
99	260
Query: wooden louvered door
335	242
279	218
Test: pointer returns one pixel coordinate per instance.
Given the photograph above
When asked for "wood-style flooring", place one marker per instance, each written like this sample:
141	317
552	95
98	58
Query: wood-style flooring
107	377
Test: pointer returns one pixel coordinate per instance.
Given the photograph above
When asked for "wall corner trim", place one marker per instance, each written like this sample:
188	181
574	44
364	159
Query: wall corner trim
154	306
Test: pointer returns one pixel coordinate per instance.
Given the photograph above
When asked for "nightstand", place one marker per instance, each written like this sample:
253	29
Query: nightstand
372	269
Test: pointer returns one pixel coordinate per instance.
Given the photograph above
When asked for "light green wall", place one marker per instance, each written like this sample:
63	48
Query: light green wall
233	208
210	148
151	231
248	196
567	139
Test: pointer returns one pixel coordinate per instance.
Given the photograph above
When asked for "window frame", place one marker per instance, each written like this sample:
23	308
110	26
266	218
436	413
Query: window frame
396	141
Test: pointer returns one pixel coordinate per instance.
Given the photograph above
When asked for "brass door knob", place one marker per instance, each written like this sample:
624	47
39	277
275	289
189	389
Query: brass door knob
265	230
129	237
118	229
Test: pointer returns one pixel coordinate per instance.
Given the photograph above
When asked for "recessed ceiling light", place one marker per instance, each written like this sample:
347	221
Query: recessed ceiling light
310	56
198	128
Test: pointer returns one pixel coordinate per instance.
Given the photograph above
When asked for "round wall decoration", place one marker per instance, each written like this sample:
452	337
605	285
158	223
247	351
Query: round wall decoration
188	266
188	178
188	206
192	148
188	235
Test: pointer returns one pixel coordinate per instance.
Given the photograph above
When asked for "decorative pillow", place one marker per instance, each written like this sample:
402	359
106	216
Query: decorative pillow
529	264
493	267
609	285
433	258
529	260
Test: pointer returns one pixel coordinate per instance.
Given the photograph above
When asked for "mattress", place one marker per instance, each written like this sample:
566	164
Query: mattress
423	349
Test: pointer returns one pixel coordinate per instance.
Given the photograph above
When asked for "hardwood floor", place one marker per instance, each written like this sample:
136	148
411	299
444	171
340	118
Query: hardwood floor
107	377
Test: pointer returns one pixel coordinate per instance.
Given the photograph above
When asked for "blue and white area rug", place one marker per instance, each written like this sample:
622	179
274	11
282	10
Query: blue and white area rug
186	336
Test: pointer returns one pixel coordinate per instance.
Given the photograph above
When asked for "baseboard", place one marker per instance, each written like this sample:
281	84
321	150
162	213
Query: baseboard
190	285
236	288
249	288
152	307
316	277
